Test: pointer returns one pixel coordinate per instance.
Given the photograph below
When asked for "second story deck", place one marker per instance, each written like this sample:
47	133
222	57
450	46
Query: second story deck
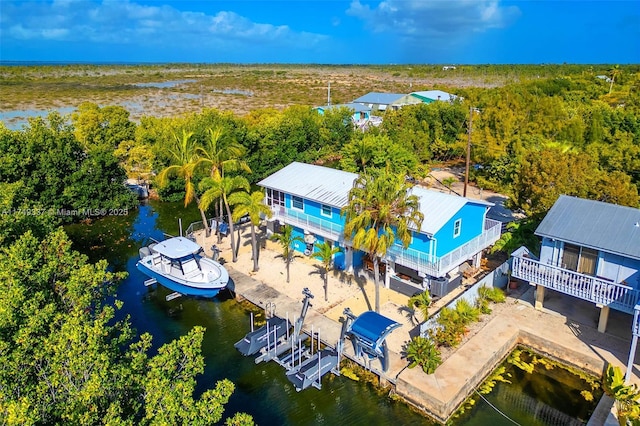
411	258
597	290
439	266
313	224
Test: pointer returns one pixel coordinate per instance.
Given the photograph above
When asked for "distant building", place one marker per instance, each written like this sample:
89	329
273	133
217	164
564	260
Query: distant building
604	77
360	111
378	101
429	96
448	67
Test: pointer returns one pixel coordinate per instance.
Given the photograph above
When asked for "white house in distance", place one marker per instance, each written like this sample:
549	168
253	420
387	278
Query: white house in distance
455	230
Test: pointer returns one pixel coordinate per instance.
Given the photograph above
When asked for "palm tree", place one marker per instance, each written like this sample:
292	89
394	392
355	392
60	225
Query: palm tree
184	158
254	206
364	153
325	255
448	182
219	156
420	302
221	188
380	211
287	240
614	72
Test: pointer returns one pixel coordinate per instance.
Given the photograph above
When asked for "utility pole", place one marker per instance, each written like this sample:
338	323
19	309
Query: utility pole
329	94
466	169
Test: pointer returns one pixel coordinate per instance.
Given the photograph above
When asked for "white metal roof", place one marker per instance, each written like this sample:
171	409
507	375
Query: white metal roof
322	184
177	247
331	187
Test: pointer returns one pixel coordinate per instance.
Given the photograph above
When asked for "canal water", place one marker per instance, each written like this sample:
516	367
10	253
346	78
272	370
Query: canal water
262	390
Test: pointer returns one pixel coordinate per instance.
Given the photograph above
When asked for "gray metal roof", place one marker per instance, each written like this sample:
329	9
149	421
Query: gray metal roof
438	207
594	224
379	98
325	185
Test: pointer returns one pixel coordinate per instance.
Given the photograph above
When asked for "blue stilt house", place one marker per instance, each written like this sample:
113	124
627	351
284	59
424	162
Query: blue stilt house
455	230
590	250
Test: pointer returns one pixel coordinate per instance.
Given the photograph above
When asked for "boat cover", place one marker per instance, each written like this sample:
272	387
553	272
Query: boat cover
372	328
177	247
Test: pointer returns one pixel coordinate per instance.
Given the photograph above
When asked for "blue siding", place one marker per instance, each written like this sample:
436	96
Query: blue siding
421	242
358	256
610	266
339	261
299	246
472	216
313	208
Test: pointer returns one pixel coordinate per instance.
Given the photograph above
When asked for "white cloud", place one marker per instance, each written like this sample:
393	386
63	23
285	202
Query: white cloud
125	22
443	20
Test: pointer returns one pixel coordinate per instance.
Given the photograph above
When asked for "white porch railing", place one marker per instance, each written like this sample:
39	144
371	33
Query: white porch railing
318	226
410	258
439	266
615	295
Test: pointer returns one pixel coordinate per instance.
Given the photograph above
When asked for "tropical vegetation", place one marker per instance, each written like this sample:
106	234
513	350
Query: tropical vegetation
287	240
380	211
325	253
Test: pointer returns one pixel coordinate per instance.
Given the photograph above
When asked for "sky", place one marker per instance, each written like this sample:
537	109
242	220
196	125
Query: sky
322	31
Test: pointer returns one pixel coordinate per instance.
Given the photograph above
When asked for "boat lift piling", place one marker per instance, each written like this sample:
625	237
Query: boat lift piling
276	341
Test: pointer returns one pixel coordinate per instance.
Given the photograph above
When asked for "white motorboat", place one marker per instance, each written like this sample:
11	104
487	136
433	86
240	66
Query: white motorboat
180	265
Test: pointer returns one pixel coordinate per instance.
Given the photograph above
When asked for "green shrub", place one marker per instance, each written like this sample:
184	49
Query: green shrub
467	313
489	294
423	352
451	328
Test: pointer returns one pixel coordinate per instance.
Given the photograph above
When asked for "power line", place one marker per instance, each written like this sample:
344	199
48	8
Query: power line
494	407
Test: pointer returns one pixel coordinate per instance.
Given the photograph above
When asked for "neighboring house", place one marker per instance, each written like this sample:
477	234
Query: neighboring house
378	101
590	250
455	229
429	96
604	77
448	67
360	111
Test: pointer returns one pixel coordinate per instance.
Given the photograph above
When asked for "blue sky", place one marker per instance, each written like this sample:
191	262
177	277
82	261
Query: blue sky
327	31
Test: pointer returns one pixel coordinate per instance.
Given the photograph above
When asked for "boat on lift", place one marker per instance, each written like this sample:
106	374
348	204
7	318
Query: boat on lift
179	264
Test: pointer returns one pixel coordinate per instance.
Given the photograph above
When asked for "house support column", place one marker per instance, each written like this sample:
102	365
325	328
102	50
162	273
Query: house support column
476	260
632	356
348	260
539	297
604	317
390	270
634	343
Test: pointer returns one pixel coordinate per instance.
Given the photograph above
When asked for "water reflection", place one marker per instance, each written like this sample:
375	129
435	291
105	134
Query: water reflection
164	84
17	119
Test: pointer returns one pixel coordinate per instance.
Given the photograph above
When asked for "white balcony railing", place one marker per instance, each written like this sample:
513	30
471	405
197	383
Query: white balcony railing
603	292
313	224
411	258
439	266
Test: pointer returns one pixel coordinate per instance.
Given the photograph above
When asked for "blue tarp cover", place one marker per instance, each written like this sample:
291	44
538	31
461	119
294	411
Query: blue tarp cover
372	326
